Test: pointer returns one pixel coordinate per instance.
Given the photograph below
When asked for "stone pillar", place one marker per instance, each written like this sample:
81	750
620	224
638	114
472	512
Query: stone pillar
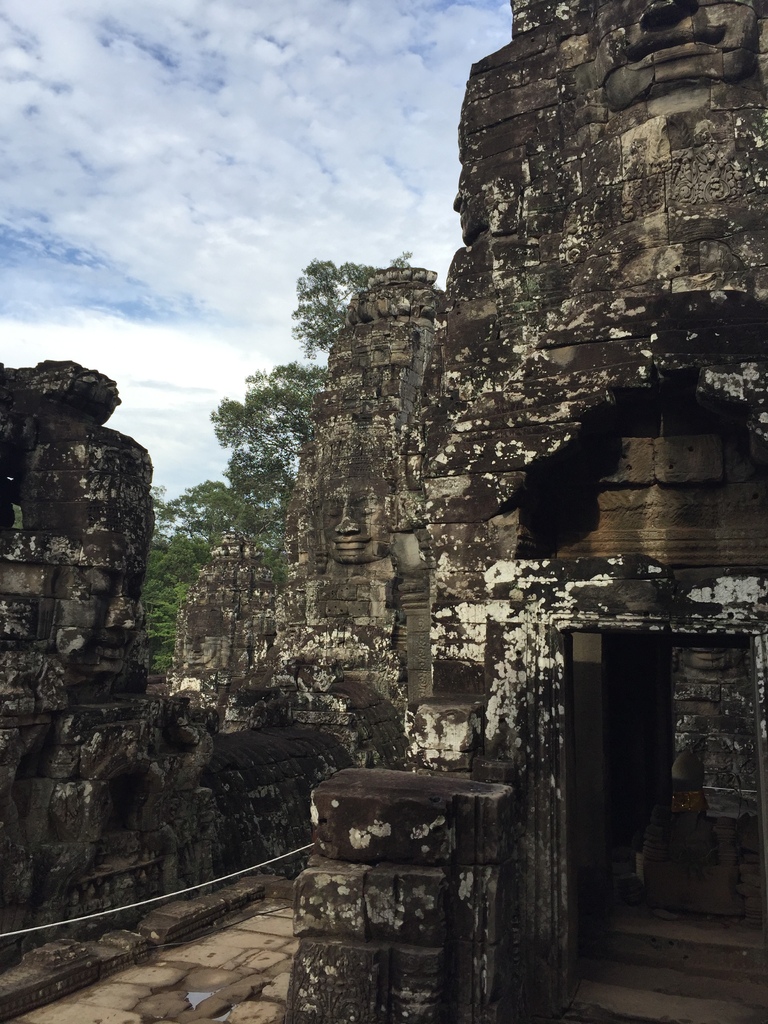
419	650
406	912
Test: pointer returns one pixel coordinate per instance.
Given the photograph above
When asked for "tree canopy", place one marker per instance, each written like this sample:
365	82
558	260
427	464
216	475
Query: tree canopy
264	434
324	291
175	559
203	512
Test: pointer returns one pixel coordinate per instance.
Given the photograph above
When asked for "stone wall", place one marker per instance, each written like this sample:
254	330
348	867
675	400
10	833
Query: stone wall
100	801
261	783
714	710
596	386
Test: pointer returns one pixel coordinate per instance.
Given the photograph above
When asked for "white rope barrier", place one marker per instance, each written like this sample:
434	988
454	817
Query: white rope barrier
155	899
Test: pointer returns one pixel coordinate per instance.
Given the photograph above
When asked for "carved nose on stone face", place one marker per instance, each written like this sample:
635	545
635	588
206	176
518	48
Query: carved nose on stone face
665	13
347	526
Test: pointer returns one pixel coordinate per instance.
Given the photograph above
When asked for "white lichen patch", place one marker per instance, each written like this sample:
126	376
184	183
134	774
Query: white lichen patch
502	572
500	611
422	831
729	591
360	839
466	885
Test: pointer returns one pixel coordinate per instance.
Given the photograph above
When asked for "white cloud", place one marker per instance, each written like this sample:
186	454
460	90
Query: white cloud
170	378
173	164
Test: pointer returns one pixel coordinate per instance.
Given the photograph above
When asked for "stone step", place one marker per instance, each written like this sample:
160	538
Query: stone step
599	1003
698	946
676	983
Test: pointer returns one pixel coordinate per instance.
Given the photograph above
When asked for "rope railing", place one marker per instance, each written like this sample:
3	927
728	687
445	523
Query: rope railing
154	899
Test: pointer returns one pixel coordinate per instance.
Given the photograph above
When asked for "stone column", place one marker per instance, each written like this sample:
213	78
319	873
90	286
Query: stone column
419	649
406	911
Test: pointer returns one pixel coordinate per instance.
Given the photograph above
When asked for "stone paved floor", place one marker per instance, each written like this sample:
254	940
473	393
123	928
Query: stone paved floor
238	974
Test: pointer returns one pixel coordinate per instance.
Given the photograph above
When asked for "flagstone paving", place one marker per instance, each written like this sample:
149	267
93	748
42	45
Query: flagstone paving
238	974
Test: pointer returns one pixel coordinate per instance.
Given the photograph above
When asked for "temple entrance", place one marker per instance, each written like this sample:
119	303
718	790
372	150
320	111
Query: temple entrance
663	816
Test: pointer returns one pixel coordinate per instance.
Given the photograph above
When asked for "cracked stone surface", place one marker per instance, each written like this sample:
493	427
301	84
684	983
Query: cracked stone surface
239	974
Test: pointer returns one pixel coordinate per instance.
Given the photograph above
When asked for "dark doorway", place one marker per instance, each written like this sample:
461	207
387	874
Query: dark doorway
639	736
662	882
624	748
640	700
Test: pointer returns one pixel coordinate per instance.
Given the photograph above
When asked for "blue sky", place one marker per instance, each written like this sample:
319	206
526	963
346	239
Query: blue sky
170	166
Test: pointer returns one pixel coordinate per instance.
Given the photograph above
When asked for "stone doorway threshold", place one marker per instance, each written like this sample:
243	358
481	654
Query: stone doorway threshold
694	970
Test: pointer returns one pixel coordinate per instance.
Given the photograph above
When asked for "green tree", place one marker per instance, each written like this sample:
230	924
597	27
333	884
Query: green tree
174	563
205	512
324	291
265	433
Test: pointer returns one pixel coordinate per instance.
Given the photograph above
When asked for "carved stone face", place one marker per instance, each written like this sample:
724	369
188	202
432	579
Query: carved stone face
92	653
712	660
211	652
96	648
474	220
95	394
357	530
647	43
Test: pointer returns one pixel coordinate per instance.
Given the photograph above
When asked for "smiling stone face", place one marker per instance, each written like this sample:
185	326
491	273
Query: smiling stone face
642	46
357	529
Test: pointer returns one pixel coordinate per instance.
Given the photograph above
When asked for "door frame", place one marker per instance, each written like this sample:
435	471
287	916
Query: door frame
546	601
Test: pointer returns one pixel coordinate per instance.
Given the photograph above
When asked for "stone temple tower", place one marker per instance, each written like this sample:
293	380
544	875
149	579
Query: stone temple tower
357	604
595	449
586	458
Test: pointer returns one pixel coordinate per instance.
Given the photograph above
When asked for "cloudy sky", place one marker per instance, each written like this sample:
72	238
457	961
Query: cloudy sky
172	165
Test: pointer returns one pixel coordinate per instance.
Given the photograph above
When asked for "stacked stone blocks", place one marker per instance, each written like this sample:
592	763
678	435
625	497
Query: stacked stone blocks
100	799
407	910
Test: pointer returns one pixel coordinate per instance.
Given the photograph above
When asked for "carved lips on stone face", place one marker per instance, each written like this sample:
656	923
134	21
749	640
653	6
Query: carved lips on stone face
645	44
95	649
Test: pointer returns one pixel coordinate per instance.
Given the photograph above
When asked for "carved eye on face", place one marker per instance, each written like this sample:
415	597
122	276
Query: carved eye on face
663	13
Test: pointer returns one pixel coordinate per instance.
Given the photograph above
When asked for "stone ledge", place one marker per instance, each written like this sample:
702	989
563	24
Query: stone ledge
186	919
61	967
